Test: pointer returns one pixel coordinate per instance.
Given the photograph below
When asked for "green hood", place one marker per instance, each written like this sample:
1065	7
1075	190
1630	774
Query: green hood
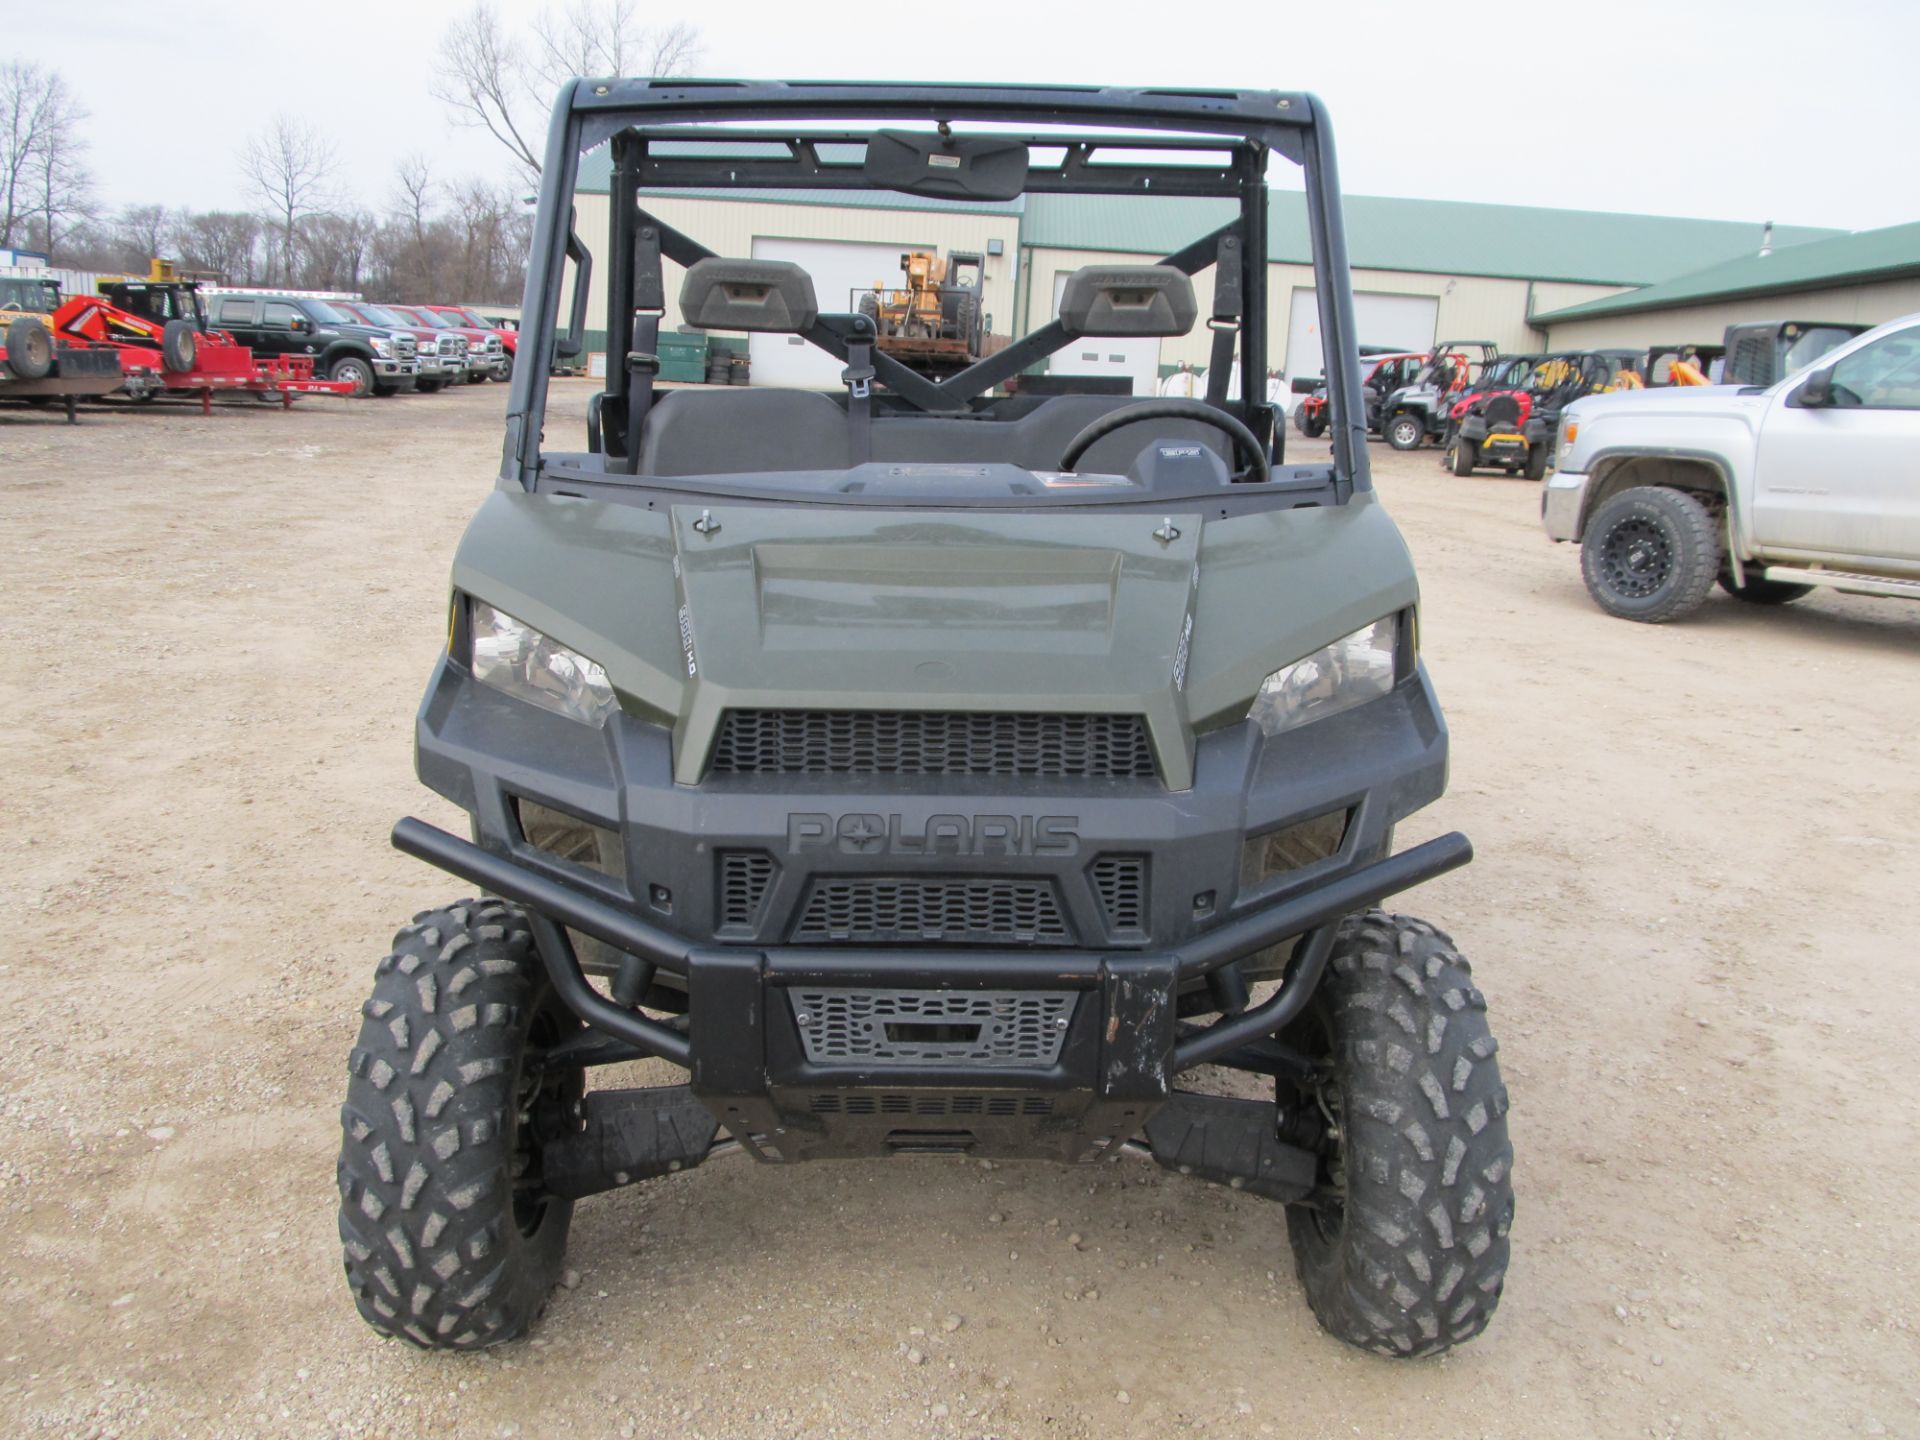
844	607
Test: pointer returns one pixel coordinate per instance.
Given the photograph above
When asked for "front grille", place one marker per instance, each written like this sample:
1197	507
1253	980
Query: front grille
832	1103
744	875
955	911
903	1027
1121	882
932	742
404	347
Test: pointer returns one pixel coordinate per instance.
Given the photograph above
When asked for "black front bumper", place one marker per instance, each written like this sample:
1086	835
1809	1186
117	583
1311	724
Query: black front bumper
1108	1004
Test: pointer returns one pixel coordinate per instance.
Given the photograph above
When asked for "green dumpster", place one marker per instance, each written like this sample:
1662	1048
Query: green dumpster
683	357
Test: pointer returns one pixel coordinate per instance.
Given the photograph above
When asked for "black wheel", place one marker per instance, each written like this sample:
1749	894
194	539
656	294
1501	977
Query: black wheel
179	344
429	387
450	1241
353	368
503	368
1537	461
1403	1249
30	348
869	306
1460	459
1650	554
1310	424
1405	431
1758	591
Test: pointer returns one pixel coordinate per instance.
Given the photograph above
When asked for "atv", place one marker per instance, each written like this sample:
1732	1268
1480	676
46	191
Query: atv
927	768
1417	412
1386	371
1514	429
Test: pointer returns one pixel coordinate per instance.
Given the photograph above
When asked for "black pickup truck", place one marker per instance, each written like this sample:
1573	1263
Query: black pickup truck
377	361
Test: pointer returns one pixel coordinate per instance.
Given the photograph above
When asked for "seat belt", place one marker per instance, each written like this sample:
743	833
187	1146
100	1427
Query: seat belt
859	378
643	361
1228	300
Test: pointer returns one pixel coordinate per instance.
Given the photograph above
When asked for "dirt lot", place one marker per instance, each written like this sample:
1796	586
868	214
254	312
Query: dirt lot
1696	846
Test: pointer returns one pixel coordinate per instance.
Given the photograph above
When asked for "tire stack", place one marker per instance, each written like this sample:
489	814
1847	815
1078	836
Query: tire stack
719	368
740	370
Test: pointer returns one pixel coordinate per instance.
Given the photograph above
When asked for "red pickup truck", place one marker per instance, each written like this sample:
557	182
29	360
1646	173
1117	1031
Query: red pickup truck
503	352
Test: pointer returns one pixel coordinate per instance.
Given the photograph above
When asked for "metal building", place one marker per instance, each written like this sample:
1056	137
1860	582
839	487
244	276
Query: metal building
1423	270
1867	278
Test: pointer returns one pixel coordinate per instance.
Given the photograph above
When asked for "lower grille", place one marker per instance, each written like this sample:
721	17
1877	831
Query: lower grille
911	1027
956	911
744	876
1121	882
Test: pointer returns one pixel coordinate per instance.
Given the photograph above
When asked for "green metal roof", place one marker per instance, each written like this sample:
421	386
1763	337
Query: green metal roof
1436	237
1842	260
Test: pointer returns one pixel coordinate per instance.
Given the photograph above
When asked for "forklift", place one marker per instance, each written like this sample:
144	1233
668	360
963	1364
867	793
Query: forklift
934	323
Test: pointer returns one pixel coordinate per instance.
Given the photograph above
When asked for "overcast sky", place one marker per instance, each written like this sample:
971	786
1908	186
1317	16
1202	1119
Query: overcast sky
1801	112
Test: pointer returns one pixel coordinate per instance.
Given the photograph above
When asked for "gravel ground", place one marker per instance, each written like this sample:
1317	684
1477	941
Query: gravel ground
1693	844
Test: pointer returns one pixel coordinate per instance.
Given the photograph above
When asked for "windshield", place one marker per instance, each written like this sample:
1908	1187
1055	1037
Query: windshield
380	315
1800	346
329	315
425	318
960	309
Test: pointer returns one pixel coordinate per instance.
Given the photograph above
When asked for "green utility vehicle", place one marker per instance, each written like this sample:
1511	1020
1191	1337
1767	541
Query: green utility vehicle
928	764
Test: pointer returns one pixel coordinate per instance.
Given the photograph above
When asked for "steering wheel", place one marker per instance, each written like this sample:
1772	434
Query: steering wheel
1172	408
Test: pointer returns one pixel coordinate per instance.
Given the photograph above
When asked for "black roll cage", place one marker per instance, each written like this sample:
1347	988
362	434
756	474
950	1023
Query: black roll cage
647	122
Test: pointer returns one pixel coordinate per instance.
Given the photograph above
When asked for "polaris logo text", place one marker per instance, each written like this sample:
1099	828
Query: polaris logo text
860	834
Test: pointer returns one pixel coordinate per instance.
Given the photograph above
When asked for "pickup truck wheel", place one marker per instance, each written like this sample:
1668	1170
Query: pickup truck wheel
451	1241
30	348
352	368
1650	554
1406	431
1758	591
1403	1248
1460	459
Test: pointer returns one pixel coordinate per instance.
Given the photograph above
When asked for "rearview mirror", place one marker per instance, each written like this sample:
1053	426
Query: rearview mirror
954	167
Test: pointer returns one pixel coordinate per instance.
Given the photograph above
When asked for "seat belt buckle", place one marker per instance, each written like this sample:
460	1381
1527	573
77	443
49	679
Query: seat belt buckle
641	362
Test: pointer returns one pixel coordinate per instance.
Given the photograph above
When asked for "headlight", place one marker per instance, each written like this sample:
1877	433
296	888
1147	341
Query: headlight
382	347
1349	672
521	661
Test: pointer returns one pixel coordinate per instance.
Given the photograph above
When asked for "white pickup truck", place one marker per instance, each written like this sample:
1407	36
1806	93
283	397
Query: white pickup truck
1769	492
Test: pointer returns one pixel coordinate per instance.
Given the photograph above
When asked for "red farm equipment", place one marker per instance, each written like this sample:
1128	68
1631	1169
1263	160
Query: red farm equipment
160	328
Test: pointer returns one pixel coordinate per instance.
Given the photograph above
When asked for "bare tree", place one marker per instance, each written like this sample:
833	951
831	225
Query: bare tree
289	166
42	179
491	79
143	231
219	242
480	78
607	38
415	195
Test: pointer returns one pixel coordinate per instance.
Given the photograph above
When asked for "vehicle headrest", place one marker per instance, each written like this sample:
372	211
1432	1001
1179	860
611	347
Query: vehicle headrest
1123	300
763	295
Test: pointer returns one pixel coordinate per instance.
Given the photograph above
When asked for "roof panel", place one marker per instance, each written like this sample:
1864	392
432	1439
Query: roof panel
1841	260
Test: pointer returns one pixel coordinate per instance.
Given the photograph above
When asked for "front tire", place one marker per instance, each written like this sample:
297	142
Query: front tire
1758	591
1404	1249
1537	461
1650	554
356	371
30	348
1462	456
450	1243
1406	431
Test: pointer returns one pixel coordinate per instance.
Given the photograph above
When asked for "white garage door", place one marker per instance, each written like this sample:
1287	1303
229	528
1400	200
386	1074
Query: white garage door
1137	357
838	268
1405	322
